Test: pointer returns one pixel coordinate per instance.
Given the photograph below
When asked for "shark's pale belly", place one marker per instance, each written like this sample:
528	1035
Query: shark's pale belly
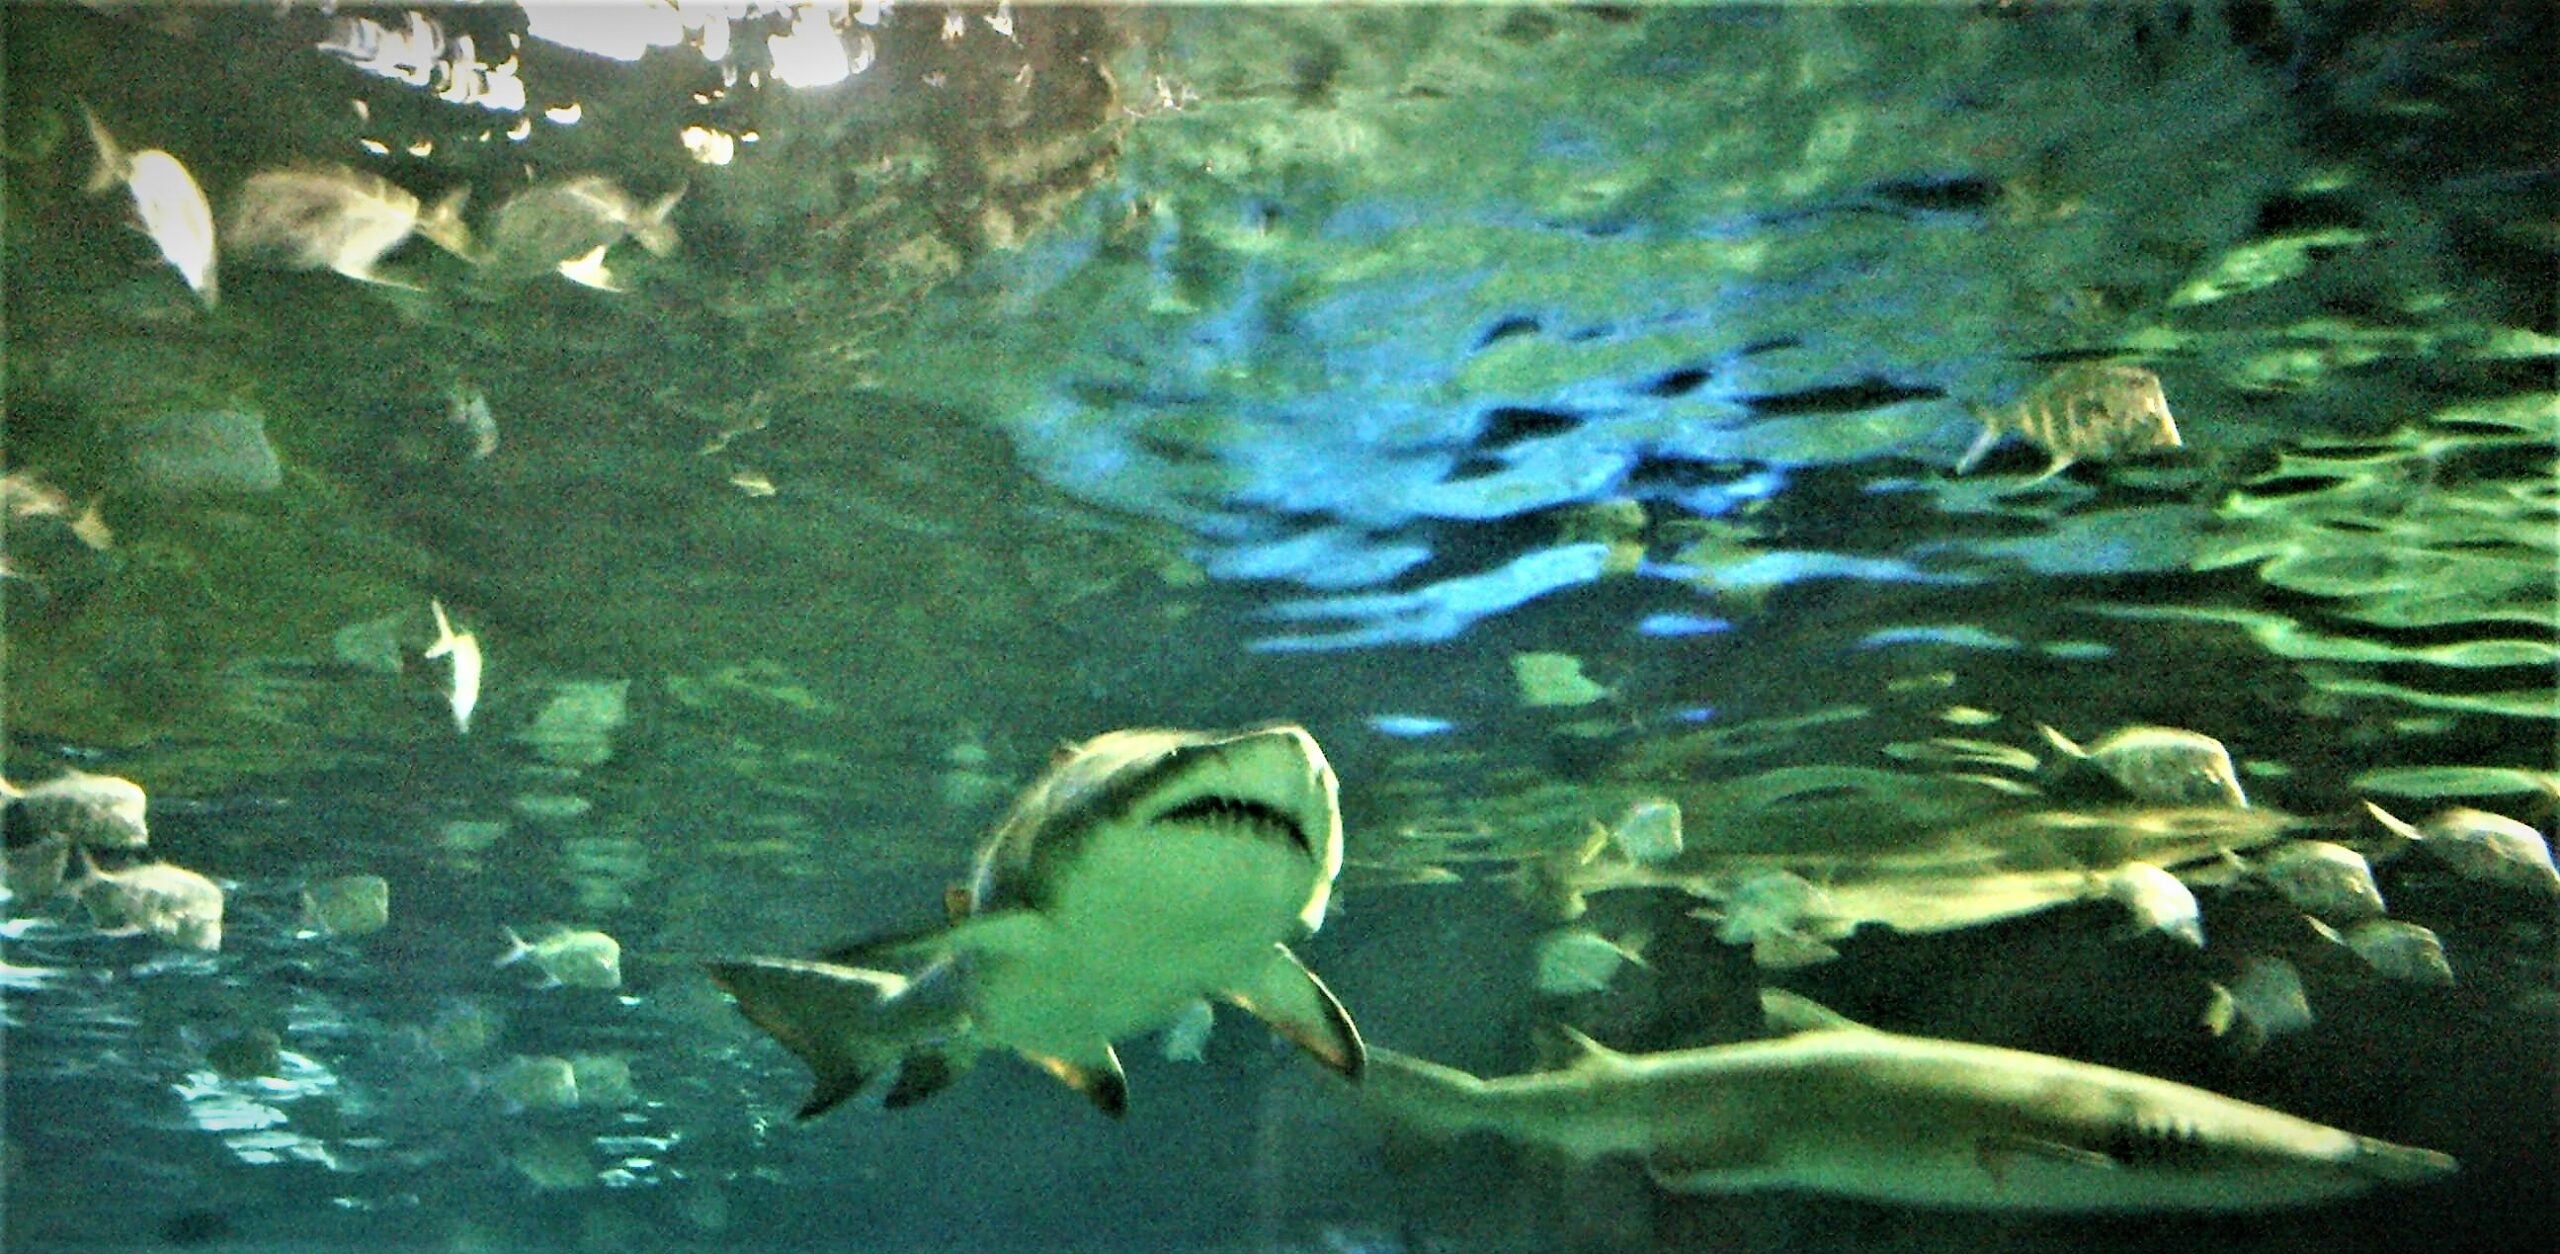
1135	930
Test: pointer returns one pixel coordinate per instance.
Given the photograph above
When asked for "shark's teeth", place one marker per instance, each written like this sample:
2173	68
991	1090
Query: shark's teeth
1260	816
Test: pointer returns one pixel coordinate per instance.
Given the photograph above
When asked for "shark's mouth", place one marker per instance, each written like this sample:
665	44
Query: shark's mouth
1259	817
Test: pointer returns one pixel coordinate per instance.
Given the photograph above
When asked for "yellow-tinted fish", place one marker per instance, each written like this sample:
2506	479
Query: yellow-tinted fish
2088	411
330	217
97	811
171	207
578	959
2162	765
567	227
168	901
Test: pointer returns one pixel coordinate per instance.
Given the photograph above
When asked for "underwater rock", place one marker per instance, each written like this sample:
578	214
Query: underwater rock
205	451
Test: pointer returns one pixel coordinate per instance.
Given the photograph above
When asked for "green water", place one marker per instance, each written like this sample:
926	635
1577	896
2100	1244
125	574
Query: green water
1549	408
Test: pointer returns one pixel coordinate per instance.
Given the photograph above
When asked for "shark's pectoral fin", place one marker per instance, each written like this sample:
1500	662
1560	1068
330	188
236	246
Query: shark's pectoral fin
1726	1166
1298	1006
1101	1079
1788	1013
1997	1151
819	1012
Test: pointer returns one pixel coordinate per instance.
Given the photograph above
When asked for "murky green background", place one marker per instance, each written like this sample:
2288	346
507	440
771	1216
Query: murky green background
1202	367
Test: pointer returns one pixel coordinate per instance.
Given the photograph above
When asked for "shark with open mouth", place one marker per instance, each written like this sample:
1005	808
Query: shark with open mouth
1144	871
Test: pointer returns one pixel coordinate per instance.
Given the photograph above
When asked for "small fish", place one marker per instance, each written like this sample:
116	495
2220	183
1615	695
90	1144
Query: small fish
2482	846
2265	1000
2328	881
2162	765
2160	902
604	1080
569	958
1649	832
467	407
2092	410
2400	950
95	811
90	529
530	1082
1576	961
161	898
567	226
331	217
1186	1039
464	649
752	483
171	207
350	905
1553	679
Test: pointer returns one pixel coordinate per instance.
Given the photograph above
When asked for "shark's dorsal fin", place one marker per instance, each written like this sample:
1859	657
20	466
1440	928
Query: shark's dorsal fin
1787	1014
885	950
1586	1051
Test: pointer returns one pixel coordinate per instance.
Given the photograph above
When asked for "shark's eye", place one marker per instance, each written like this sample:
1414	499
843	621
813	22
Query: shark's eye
1239	811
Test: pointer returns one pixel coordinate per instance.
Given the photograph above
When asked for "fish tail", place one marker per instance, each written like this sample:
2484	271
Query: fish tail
848	1024
113	165
653	231
516	948
2061	743
443	226
1423	1095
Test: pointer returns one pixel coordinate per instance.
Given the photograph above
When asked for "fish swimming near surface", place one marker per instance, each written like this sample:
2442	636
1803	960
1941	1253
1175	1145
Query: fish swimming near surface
2085	412
166	201
95	811
1145	870
161	898
332	217
1839	1108
2161	765
567	227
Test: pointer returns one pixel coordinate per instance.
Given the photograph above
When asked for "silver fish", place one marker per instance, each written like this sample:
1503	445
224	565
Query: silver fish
567	226
331	217
1144	870
168	901
2088	411
167	202
2482	846
1840	1108
2162	765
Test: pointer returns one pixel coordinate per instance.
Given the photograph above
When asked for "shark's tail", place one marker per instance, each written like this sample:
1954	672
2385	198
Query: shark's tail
852	1025
1422	1095
2400	1164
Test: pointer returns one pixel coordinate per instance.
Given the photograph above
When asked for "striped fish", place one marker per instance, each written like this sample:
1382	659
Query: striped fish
2088	411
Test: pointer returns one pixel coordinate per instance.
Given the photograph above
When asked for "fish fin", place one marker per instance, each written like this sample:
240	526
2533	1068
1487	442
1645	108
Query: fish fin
824	1014
652	231
445	639
1586	1051
589	271
2062	744
2060	463
1788	1013
1997	1151
1297	1005
1981	445
112	165
922	1074
516	949
1102	1081
442	225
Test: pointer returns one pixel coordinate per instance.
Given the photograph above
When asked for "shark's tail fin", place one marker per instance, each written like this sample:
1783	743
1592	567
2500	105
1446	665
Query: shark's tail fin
2401	1164
851	1025
1422	1095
